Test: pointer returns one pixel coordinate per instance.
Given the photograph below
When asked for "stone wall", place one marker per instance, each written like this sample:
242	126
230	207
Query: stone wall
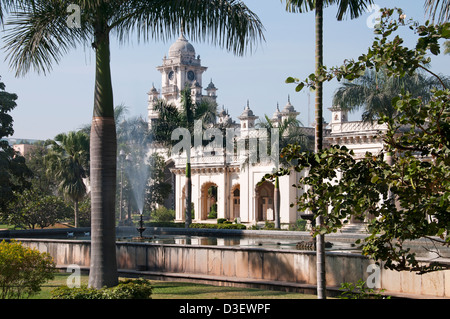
239	264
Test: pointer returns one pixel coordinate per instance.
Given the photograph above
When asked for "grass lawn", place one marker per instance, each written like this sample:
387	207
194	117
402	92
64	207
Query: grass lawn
185	290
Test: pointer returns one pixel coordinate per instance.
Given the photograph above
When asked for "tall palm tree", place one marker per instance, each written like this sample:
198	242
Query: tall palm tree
374	92
355	8
39	35
170	118
68	161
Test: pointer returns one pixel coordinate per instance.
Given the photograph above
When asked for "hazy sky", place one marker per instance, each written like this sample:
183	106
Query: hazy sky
62	101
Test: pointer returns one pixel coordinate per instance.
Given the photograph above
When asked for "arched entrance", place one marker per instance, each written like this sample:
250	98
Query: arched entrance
264	202
209	201
235	202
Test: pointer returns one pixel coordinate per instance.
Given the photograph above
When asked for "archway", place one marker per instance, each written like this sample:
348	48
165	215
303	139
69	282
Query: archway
235	202
209	201
264	202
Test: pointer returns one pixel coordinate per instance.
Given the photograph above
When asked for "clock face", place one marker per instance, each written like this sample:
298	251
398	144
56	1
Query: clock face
171	75
191	76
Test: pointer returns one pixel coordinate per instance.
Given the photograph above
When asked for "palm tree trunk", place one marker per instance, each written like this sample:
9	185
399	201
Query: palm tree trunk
103	267
320	239
188	204
276	202
75	208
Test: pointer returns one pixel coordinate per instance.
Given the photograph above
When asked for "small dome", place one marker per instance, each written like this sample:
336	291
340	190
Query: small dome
289	108
181	47
277	115
211	86
247	113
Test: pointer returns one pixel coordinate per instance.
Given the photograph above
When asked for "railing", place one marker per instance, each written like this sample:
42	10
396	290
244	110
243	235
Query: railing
357	126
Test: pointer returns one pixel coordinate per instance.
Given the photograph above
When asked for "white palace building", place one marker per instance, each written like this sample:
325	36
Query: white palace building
227	180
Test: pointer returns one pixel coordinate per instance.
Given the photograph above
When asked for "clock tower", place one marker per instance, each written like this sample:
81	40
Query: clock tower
181	68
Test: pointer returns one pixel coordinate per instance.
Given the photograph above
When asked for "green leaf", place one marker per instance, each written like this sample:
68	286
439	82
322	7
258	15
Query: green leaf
290	80
299	87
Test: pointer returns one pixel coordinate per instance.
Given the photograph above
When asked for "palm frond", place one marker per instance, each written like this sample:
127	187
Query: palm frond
354	8
438	10
37	35
228	24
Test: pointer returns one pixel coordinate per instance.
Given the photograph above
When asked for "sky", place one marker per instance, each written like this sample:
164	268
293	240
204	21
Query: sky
62	100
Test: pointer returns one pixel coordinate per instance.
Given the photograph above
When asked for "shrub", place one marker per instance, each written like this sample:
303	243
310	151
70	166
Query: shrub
23	270
221	220
126	289
162	214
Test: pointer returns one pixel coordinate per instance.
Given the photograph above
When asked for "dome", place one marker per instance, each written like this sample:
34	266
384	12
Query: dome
181	47
289	108
277	115
247	113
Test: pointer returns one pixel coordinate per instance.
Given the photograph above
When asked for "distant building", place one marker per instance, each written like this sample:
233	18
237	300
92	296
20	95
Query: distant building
227	180
24	149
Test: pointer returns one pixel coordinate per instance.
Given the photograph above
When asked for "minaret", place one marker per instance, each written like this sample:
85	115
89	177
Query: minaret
288	110
211	91
153	97
247	118
276	118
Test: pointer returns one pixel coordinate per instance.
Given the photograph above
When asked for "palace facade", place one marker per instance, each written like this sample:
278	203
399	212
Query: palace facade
226	181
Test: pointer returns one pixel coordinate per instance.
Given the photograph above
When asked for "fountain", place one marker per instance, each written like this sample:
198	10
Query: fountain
136	166
141	227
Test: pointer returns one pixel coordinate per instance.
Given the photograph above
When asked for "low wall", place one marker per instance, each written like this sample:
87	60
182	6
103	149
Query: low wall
240	264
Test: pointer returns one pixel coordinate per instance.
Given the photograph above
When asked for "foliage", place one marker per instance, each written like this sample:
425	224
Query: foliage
158	189
23	270
358	290
31	209
162	214
300	225
42	180
14	174
374	92
409	197
68	161
126	289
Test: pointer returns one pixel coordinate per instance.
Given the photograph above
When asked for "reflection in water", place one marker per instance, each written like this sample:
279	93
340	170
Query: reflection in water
236	241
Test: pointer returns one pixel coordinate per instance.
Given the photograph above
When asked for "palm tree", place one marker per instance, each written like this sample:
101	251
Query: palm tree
39	36
68	161
355	8
439	9
374	92
170	118
289	132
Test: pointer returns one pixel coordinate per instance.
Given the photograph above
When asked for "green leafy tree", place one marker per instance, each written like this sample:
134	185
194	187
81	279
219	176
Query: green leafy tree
23	270
68	161
42	180
14	174
157	188
406	187
32	209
